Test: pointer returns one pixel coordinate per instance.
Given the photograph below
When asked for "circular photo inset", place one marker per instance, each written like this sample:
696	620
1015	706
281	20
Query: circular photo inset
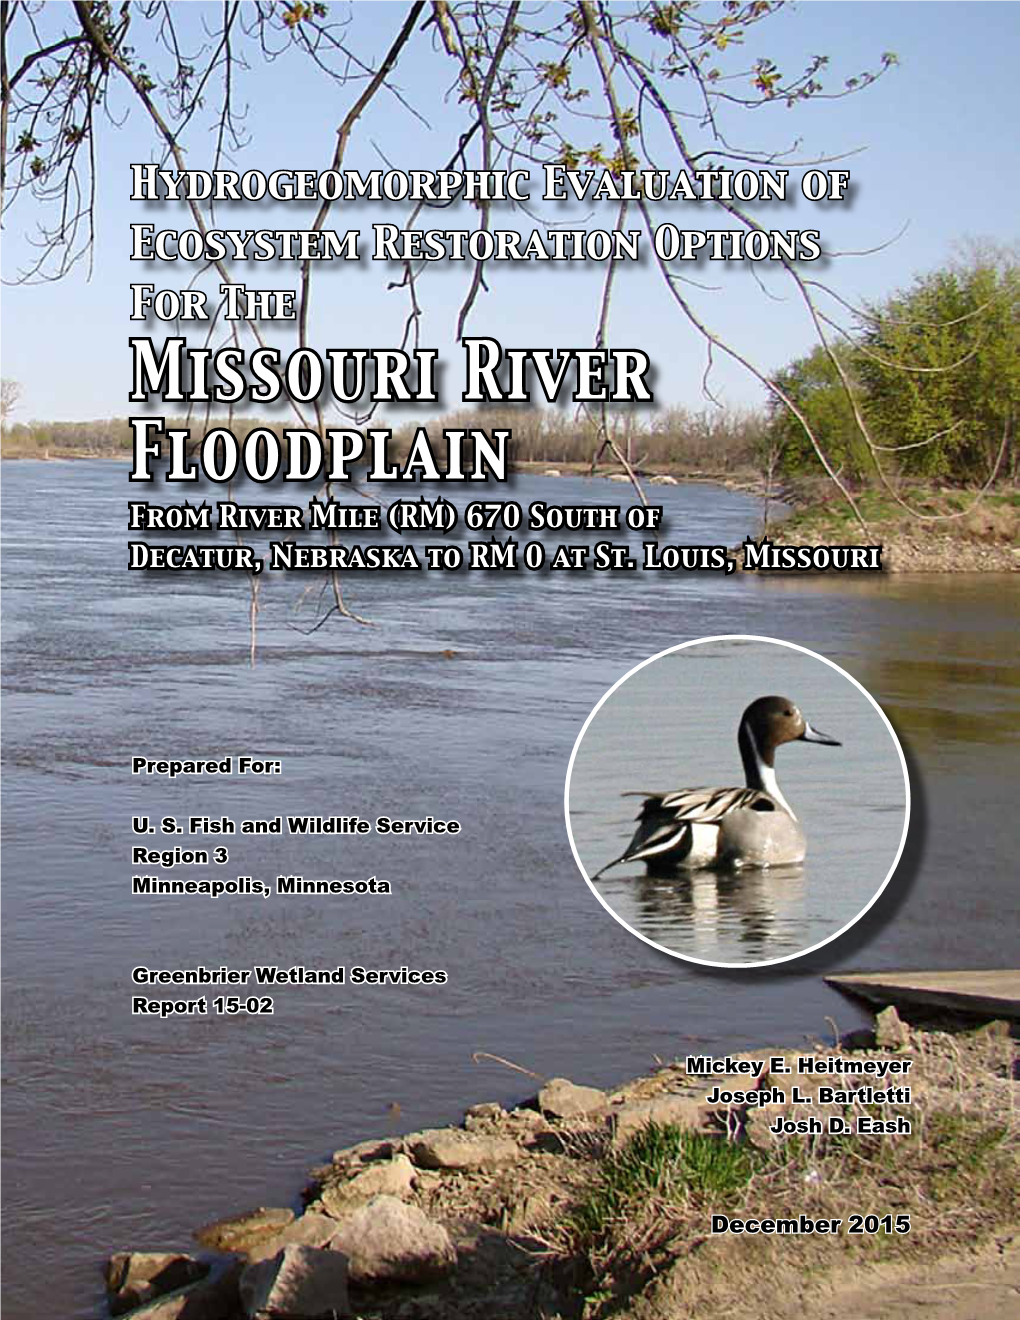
737	801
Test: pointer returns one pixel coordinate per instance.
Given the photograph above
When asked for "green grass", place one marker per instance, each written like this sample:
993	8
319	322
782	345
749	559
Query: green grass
962	1150
661	1160
826	516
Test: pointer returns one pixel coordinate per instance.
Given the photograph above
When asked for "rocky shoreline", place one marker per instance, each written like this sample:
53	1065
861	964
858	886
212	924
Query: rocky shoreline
480	1221
985	541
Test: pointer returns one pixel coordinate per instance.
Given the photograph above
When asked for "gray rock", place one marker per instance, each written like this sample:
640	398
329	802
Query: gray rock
241	1232
732	1082
300	1281
527	1121
487	1110
484	1118
212	1298
672	1110
388	1178
308	1230
450	1148
891	1033
134	1277
390	1241
365	1152
562	1099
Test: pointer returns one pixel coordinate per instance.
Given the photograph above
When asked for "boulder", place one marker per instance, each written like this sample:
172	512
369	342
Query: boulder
733	1082
672	1110
526	1122
891	1032
389	1241
365	1152
134	1277
488	1110
450	1148
308	1230
241	1232
484	1118
211	1298
562	1099
300	1281
861	1038
387	1178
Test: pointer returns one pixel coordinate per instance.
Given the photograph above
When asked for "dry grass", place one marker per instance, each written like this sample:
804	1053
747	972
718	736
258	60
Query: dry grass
822	517
642	1245
583	1228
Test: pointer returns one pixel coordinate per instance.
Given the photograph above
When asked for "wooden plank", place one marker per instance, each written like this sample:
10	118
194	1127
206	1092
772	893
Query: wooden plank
994	993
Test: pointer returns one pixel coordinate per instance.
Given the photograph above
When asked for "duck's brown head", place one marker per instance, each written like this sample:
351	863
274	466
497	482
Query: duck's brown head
772	721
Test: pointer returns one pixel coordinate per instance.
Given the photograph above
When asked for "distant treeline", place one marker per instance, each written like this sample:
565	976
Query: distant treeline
933	373
100	439
712	441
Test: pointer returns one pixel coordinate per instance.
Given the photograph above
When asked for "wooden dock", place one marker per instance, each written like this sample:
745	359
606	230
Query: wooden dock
991	994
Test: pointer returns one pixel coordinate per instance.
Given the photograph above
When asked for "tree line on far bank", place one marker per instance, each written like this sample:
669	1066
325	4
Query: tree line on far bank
929	386
708	441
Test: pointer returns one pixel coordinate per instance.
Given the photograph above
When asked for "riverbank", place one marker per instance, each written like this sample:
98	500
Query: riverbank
593	1204
933	530
927	529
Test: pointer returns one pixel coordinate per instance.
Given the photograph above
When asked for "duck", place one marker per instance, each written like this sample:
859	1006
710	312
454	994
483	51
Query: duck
701	828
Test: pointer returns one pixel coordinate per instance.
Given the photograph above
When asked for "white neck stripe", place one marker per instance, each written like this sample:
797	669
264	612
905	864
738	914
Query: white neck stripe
767	776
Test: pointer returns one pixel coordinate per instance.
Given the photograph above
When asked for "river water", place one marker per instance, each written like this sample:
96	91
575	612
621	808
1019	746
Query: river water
463	700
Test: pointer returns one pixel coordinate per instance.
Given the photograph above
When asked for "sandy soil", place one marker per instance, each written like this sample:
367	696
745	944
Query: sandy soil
980	1285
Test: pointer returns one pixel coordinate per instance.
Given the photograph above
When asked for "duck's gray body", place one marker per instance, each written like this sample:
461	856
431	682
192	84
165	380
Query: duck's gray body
699	827
692	828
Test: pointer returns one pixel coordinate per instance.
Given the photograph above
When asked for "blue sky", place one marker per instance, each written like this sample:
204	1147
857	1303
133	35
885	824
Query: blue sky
938	135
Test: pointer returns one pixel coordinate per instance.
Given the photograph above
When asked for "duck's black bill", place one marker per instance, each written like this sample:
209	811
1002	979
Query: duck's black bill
816	736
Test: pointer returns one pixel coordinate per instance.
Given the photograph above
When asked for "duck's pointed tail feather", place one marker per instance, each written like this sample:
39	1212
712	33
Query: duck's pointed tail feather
607	866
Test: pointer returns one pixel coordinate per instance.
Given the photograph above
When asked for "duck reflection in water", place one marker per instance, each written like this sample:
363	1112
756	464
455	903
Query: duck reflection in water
762	910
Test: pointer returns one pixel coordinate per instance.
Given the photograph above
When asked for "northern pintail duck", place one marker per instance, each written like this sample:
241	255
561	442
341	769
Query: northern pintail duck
727	827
